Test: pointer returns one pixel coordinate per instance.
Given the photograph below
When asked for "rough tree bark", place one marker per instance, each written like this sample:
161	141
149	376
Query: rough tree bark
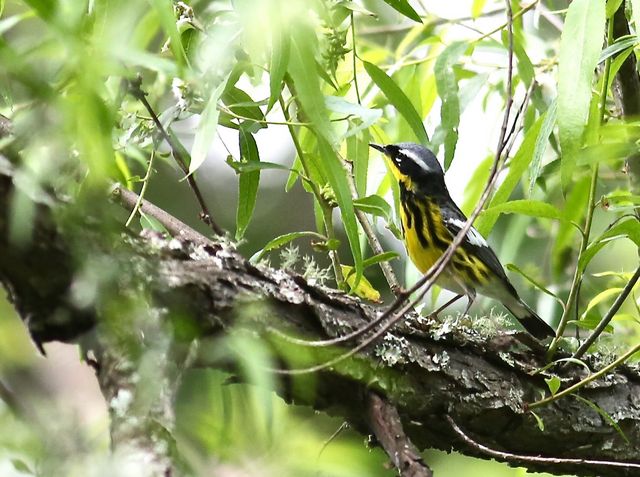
427	370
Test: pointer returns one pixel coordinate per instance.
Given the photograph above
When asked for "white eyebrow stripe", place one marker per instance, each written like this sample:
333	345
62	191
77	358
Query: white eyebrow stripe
413	156
473	236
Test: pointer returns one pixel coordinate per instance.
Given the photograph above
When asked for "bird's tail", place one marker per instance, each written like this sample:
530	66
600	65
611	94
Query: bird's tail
528	318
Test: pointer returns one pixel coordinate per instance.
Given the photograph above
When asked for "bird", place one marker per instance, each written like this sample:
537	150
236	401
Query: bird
430	221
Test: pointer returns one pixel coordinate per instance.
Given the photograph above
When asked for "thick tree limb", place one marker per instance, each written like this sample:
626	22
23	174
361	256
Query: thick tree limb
482	383
385	421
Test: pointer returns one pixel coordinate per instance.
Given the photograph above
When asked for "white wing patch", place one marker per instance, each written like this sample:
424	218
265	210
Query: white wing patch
415	158
473	236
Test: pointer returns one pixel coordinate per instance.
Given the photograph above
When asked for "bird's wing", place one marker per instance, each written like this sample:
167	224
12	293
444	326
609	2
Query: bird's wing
474	242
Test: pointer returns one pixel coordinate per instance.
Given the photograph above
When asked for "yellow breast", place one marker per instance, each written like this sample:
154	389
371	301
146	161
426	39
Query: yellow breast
419	236
427	237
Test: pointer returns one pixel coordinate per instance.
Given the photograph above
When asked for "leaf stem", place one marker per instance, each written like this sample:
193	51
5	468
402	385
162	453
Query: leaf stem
145	183
586	380
591	206
274	123
136	90
609	316
355	56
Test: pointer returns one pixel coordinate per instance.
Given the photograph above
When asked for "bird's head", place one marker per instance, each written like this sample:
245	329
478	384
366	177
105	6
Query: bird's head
411	163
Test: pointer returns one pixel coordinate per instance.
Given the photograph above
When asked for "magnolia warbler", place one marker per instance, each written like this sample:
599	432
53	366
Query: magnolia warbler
430	221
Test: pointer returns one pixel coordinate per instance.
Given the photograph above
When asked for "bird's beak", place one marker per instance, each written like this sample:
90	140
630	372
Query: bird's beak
380	148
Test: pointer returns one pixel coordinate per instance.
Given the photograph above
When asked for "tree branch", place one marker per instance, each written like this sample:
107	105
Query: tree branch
385	422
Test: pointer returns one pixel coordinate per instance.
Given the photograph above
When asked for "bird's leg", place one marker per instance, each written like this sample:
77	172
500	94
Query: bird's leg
471	295
434	314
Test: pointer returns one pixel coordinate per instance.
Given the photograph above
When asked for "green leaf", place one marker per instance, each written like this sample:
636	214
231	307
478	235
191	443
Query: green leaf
18	464
241	104
363	289
612	7
302	67
138	58
525	67
344	107
475	185
604	414
168	22
532	208
553	383
206	128
635	14
517	168
398	99
44	9
590	323
617	202
600	297
248	183
283	240
617	64
280	50
296	170
626	229
621	44
548	123
535	283
476	7
539	421
334	171
381	257
574	210
579	51
403	7
149	222
241	167
358	154
374	205
354	7
447	85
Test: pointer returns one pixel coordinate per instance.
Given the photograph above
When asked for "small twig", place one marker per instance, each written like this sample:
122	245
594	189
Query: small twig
143	190
517	123
377	249
332	437
136	90
355	56
175	227
534	459
228	111
510	20
395	28
384	421
609	316
586	380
